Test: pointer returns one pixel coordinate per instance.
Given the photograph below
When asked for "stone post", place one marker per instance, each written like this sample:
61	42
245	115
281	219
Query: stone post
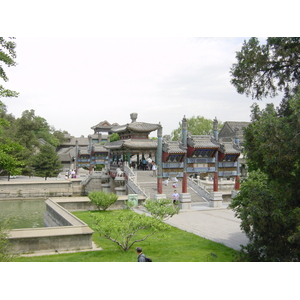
215	197
76	158
158	159
184	197
237	177
216	174
91	152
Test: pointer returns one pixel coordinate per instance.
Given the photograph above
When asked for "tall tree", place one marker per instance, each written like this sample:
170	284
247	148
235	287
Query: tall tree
196	126
46	163
264	69
7	57
269	201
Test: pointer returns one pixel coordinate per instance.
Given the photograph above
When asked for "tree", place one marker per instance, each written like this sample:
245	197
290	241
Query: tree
196	126
129	228
161	209
263	70
114	137
269	201
46	163
7	56
102	199
10	162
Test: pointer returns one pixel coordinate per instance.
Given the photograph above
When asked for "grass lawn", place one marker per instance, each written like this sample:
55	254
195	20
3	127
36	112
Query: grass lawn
180	246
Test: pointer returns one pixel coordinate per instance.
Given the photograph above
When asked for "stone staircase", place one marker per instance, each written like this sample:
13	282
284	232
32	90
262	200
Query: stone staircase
149	185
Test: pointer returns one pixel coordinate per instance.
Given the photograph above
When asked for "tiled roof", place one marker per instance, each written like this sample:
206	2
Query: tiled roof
99	148
229	148
229	127
66	154
202	141
143	127
136	126
114	145
104	124
132	144
84	150
172	147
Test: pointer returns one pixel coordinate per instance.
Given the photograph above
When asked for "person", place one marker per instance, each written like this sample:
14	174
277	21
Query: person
175	197
149	161
141	256
154	168
144	164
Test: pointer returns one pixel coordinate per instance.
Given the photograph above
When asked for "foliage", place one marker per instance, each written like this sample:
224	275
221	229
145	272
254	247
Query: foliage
9	151
46	163
9	163
5	245
263	70
114	137
7	56
195	126
269	221
30	128
161	209
269	201
127	228
102	199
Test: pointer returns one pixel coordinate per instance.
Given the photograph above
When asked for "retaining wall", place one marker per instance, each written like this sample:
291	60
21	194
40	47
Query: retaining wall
69	233
40	189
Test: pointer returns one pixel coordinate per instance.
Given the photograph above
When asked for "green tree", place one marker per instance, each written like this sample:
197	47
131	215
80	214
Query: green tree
161	209
195	126
7	57
46	163
269	201
10	152
114	137
264	69
102	199
129	228
9	162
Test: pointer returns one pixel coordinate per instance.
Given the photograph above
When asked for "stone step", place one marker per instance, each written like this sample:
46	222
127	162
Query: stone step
149	184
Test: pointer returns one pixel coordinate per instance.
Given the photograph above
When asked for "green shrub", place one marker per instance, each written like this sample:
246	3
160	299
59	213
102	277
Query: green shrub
161	209
102	199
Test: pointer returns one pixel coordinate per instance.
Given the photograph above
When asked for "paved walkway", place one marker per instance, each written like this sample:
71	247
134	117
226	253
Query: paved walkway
216	224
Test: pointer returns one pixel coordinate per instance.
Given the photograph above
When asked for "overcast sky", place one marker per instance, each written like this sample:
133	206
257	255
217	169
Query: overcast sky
74	83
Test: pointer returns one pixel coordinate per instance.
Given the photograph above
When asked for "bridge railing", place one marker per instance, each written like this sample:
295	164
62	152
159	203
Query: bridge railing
199	188
132	183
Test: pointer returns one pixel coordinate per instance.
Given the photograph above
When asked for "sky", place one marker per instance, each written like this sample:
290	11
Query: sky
75	83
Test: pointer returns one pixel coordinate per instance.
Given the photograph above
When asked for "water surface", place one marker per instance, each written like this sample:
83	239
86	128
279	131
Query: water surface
23	213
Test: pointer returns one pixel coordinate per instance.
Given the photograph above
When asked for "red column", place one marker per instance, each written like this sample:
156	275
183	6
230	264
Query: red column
159	185
184	183
237	183
216	182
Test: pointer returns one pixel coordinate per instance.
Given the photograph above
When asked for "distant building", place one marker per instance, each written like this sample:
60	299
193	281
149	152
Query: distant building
233	130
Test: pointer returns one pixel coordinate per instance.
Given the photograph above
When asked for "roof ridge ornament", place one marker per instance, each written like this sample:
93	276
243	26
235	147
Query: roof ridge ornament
133	117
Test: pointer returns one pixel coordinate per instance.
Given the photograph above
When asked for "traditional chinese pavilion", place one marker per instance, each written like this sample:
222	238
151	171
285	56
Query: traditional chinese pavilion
134	143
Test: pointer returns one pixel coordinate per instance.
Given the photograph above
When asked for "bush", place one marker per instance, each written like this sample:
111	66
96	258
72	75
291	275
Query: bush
102	199
161	209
